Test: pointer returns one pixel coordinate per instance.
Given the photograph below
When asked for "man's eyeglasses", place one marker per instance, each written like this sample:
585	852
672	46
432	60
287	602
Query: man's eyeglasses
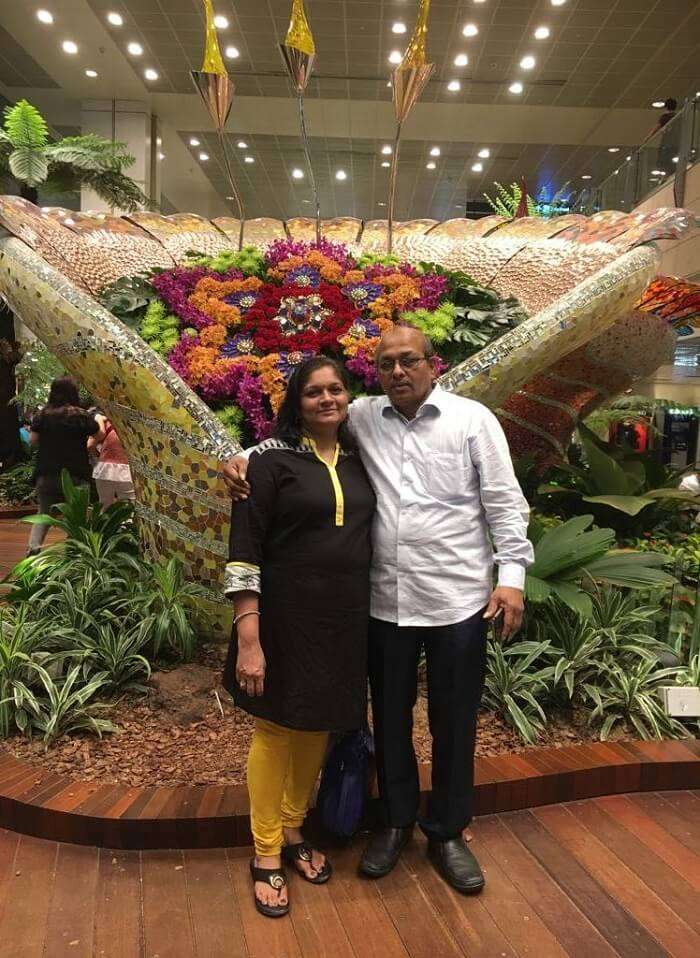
405	362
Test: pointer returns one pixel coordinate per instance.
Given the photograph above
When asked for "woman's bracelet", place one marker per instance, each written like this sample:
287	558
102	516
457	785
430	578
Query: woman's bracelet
237	618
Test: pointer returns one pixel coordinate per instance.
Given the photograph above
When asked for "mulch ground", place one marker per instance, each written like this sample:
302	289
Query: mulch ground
187	732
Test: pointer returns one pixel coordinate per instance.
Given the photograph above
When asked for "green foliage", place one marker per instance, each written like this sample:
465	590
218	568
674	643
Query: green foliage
506	202
514	688
159	328
377	259
28	158
129	297
17	484
232	417
437	324
35	372
250	261
66	706
631	694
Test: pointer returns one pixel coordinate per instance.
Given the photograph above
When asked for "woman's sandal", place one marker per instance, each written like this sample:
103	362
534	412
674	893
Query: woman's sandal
275	878
302	852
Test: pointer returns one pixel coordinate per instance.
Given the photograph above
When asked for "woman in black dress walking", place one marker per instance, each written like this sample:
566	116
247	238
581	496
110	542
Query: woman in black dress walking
299	578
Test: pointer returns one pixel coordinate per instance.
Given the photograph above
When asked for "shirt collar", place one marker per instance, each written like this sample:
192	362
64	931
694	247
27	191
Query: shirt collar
435	401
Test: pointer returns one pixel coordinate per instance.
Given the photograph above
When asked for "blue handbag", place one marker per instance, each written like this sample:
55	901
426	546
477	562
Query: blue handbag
342	793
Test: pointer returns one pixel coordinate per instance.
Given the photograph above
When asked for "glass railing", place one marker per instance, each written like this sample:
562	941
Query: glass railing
672	148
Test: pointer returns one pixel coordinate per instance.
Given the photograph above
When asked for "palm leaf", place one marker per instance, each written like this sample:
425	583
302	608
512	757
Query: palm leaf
28	165
25	127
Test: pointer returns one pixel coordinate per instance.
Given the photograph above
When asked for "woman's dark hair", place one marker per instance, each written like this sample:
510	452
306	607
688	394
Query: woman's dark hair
64	392
288	425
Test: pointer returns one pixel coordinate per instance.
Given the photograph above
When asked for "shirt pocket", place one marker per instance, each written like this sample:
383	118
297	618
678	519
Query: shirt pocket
445	476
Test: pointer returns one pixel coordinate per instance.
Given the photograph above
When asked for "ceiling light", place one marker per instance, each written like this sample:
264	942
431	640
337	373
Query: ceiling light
232	52
628	158
398	27
675	159
297	174
221	22
479	1
388	82
161	156
91	73
159	141
386	150
242	145
470	30
386	163
69	46
557	3
485	153
542	33
516	87
613	149
658	104
135	49
150	74
658	172
528	62
381	204
461	60
194	141
435	151
430	166
249	159
586	176
44	16
395	56
454	86
115	19
341	175
615	172
477	167
204	157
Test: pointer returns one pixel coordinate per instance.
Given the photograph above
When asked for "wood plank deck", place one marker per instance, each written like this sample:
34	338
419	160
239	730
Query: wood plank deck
596	878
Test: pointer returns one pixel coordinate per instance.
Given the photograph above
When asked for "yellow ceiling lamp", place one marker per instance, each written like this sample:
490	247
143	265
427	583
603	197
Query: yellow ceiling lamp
216	89
408	81
299	52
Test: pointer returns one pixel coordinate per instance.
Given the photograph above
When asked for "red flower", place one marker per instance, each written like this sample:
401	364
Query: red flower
261	325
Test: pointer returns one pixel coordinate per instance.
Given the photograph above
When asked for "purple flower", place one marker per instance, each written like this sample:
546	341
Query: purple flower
280	250
432	291
362	294
243	301
174	286
363	367
304	276
288	362
240	345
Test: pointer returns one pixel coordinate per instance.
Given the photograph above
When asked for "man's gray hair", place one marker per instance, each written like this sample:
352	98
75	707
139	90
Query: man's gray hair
428	348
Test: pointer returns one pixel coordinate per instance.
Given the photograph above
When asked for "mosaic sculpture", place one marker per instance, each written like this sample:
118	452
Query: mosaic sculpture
580	279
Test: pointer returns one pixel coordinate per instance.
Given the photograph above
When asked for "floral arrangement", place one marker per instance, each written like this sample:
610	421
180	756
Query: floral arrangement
235	326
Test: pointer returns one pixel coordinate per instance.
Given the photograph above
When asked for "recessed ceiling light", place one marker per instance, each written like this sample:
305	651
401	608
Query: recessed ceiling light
557	3
430	166
675	159
485	153
135	49
116	19
395	56
297	174
435	151
91	73
658	172
69	46
613	149
657	104
542	33
150	74
528	62
386	150
204	157
470	30
242	145
454	86
221	22
461	60
194	141
477	167
161	156
385	163
615	172
516	87
159	141
628	158
44	16
341	175
479	1
232	52
398	27
381	204
249	159
586	176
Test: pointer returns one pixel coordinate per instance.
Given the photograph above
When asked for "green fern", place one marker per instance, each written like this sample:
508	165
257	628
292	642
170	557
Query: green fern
25	127
28	165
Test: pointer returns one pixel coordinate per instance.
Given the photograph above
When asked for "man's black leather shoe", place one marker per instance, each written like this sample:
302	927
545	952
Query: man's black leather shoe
383	851
457	865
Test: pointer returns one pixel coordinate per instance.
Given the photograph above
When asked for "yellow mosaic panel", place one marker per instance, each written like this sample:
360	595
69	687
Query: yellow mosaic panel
258	231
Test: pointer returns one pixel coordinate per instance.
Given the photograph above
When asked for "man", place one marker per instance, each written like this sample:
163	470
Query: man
444	481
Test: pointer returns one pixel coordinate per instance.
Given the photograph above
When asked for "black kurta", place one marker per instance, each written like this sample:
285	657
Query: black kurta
302	539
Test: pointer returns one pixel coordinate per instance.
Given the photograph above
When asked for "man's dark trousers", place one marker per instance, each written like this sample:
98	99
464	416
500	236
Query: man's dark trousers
456	666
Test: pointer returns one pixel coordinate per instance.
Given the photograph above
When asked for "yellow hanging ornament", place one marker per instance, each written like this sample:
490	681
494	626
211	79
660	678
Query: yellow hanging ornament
299	33
415	51
212	52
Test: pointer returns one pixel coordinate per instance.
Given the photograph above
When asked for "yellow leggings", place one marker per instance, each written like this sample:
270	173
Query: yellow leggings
283	765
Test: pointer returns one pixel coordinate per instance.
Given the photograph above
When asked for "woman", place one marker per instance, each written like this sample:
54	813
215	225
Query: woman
299	578
61	431
111	472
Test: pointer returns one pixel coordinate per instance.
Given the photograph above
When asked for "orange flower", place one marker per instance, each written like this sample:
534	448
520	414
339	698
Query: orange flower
209	295
213	335
272	379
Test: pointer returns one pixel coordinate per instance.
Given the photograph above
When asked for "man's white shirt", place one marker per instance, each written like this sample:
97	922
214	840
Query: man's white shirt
444	480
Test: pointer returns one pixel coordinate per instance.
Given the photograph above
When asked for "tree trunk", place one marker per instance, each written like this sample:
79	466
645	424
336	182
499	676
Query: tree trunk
10	446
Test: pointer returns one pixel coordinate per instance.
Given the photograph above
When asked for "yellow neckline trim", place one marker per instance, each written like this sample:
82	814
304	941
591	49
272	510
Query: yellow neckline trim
333	473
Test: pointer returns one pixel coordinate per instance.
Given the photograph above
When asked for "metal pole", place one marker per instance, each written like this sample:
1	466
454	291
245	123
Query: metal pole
392	189
234	190
305	143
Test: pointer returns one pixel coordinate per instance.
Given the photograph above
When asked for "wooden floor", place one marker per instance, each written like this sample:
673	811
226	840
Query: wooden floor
14	536
591	879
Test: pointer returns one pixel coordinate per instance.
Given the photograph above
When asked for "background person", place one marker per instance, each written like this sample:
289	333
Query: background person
111	471
61	431
299	578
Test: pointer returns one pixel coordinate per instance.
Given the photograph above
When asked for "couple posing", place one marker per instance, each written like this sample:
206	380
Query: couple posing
362	536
